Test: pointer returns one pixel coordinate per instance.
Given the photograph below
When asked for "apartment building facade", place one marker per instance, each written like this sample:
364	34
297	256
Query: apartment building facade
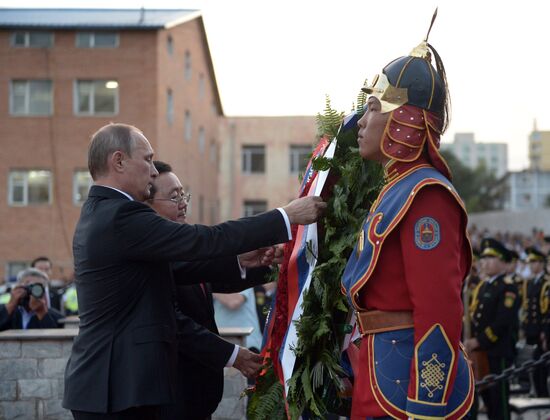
539	149
64	73
472	154
263	158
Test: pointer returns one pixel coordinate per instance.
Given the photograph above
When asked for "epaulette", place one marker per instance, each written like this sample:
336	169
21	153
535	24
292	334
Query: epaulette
508	279
517	278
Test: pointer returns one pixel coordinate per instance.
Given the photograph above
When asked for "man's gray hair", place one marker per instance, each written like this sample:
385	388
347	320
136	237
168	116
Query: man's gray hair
107	140
31	272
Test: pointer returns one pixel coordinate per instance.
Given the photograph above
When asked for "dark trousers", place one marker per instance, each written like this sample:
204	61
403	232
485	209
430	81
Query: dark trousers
540	375
134	413
496	397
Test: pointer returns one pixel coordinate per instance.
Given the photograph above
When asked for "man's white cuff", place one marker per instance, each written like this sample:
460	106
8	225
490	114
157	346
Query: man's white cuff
287	222
243	270
233	357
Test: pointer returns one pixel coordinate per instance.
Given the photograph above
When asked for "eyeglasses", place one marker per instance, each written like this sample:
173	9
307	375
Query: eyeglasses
182	198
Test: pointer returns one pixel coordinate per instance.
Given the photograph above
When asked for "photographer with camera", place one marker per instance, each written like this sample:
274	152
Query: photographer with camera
28	306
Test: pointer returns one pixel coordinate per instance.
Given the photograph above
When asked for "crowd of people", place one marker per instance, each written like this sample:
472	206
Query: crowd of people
506	317
148	282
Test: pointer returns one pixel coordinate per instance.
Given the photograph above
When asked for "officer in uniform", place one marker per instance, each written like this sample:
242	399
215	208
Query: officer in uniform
494	323
404	279
536	314
468	293
519	281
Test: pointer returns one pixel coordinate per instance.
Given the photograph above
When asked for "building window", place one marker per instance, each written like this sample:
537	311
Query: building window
188	126
169	106
170	45
31	97
214	213
14	267
32	39
201	209
82	181
213	151
254	207
253	158
202	86
96	97
202	139
187	65
29	187
96	39
299	157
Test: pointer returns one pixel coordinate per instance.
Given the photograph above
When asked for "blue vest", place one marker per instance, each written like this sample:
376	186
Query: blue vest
386	213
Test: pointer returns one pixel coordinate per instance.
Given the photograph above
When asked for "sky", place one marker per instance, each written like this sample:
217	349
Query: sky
282	57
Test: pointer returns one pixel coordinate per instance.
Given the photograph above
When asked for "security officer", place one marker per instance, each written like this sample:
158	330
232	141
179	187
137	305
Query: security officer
494	323
521	285
70	301
519	280
469	289
537	311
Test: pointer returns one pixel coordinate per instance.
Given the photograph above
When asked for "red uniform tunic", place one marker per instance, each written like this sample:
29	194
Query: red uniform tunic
426	282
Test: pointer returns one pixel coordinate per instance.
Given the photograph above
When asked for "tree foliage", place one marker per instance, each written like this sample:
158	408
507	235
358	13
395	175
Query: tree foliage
317	379
479	188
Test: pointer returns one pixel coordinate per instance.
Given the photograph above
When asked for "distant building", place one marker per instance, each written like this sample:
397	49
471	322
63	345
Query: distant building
64	73
262	158
493	155
527	190
539	149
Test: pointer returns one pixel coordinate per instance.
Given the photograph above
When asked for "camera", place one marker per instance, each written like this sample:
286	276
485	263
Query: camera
36	290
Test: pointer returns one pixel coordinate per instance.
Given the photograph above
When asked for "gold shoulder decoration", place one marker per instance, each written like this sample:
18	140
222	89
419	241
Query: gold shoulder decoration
544	298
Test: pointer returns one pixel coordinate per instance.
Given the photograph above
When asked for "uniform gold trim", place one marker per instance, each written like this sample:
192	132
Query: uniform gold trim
543	299
354	290
453	357
390	97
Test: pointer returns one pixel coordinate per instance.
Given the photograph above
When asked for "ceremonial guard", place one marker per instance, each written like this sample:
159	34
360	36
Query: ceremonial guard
404	278
536	315
494	324
468	293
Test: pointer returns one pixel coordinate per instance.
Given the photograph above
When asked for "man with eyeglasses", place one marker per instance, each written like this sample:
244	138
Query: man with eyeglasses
123	360
202	354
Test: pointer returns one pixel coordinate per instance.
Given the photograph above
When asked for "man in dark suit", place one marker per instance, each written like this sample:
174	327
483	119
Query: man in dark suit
201	355
123	361
29	310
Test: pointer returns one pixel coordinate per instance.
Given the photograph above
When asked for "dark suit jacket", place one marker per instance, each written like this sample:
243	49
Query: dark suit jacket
15	320
125	352
202	356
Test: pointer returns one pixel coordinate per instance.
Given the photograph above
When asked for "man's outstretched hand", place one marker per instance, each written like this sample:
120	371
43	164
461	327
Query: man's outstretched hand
262	257
305	210
248	363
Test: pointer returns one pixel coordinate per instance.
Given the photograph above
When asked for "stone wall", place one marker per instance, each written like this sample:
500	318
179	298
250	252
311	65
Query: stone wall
32	365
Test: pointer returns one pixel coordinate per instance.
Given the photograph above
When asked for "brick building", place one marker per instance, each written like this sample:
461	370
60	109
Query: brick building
262	160
66	72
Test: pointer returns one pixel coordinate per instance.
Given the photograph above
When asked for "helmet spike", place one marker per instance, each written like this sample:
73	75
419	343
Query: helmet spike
431	24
